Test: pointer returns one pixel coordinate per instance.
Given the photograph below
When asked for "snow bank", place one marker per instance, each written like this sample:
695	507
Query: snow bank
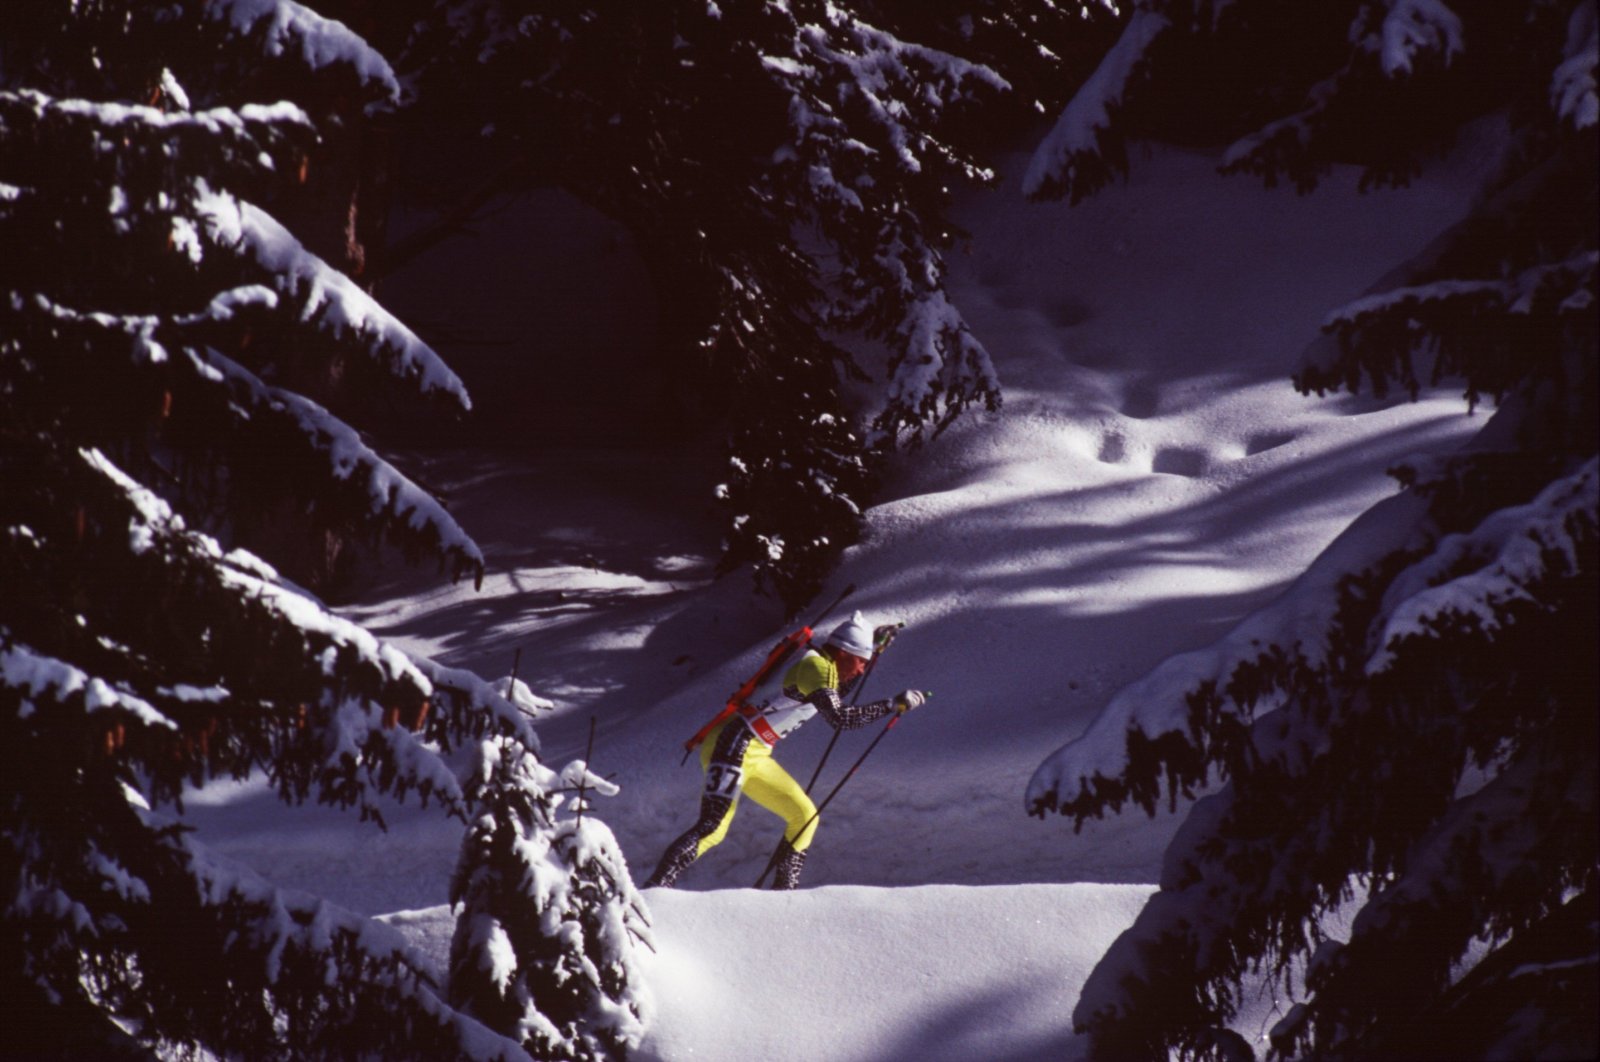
850	972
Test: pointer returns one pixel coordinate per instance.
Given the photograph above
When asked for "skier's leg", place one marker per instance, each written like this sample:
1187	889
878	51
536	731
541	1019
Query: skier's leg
769	785
715	814
774	789
721	755
786	871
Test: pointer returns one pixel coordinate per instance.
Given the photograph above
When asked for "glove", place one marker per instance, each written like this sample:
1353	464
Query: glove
883	635
906	700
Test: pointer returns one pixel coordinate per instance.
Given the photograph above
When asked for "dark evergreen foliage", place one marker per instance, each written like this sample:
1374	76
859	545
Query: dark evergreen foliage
1412	728
786	170
161	336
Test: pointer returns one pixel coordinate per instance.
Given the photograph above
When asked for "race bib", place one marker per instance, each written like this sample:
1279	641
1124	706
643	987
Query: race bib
723	780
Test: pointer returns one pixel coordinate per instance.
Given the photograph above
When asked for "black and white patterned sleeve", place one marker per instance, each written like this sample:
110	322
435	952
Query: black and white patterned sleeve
843	716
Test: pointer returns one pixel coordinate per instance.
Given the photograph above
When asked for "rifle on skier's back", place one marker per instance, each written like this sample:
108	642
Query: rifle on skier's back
777	658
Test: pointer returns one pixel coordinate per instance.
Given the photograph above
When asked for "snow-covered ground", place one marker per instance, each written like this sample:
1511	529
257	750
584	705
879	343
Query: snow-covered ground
937	973
1152	478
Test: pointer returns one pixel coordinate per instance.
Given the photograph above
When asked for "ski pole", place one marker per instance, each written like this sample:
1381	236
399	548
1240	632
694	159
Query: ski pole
834	740
818	772
846	592
855	698
773	862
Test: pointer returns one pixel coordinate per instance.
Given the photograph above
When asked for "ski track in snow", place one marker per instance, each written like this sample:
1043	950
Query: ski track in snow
1152	478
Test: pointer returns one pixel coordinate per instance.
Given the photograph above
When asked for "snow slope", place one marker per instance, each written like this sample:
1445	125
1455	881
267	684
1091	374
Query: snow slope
1152	478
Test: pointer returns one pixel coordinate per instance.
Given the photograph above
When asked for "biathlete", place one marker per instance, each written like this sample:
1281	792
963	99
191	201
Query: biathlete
737	755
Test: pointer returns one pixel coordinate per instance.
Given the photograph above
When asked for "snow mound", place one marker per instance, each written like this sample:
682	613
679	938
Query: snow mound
848	972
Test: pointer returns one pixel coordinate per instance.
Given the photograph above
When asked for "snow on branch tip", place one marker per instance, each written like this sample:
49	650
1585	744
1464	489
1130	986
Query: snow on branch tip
38	675
1063	156
388	490
1511	549
317	41
1572	86
334	300
153	520
1412	28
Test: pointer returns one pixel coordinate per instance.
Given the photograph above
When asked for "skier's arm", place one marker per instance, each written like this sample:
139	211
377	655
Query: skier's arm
843	716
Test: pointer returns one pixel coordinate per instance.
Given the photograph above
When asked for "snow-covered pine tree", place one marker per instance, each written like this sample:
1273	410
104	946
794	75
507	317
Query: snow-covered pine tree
785	167
544	946
1411	730
154	322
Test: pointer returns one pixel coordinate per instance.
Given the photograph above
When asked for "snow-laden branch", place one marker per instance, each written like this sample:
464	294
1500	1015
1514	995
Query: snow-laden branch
224	141
1415	27
1519	294
1572	86
1513	548
284	928
1473	328
1070	158
1487	838
39	678
318	42
388	490
145	330
939	358
1256	151
332	300
1459	880
1516	546
358	737
1389	41
389	757
154	525
874	67
506	708
231	125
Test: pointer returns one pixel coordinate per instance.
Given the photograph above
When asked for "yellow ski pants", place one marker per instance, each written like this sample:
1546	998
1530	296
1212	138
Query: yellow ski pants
766	782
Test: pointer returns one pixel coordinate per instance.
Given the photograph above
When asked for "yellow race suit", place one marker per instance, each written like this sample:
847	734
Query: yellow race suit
737	760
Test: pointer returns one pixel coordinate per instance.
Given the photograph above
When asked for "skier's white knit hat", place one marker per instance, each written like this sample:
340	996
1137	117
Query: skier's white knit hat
854	636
